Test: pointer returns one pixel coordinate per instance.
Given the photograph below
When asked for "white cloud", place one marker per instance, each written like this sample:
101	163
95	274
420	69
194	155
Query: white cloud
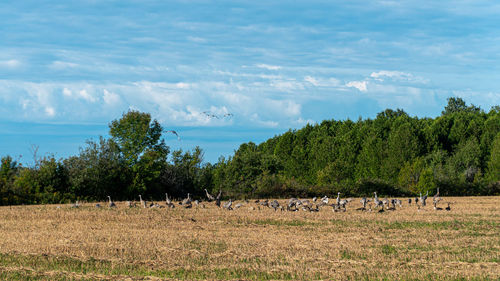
391	74
50	111
10	63
269	67
86	96
360	85
110	98
182	85
322	82
311	80
67	92
62	65
287	86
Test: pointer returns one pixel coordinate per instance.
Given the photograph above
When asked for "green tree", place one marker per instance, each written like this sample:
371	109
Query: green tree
140	141
98	171
494	162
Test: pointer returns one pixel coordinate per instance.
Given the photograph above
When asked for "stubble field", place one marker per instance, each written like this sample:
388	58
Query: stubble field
86	243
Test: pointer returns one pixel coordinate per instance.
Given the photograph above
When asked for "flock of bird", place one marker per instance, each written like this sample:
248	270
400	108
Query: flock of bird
292	205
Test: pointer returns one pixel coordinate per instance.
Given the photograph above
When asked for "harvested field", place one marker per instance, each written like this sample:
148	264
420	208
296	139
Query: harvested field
50	243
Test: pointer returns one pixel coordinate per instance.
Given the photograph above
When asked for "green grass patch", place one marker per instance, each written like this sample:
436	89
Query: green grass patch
388	249
107	268
282	222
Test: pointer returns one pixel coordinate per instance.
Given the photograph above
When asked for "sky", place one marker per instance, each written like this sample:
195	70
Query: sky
68	68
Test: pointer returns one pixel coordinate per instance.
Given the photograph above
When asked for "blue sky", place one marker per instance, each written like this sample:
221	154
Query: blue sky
67	68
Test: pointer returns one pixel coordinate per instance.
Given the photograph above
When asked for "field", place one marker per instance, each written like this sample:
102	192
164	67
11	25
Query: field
86	243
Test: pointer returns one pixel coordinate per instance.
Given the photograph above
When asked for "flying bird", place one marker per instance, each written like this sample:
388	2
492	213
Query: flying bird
175	133
212	115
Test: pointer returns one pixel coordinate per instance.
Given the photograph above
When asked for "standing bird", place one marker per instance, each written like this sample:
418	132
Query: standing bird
409	201
217	199
377	202
168	201
143	203
436	197
111	203
363	202
275	205
209	196
228	205
448	208
187	201
423	198
338	199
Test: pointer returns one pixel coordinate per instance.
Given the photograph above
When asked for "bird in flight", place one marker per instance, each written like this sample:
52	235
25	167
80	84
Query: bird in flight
212	115
175	133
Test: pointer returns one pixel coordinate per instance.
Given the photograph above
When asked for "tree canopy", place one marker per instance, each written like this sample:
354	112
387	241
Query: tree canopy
394	154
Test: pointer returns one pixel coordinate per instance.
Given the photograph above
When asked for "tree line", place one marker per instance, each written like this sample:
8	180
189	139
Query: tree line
394	154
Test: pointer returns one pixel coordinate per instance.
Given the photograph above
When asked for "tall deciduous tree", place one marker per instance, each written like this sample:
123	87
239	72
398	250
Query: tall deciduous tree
140	141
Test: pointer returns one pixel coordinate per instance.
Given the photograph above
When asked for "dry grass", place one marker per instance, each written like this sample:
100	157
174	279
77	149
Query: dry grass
46	243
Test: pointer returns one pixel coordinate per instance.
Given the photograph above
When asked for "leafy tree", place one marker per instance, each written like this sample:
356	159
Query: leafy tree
494	162
139	139
98	171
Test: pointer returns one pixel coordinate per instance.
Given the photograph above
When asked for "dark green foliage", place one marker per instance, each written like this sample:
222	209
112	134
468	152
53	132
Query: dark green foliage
393	154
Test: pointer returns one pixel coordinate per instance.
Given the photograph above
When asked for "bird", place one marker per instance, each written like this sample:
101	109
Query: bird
187	200
385	202
98	205
239	205
275	205
143	203
436	197
409	201
338	199
168	202
314	199
292	204
76	205
217	199
111	203
264	203
209	196
377	202
324	199
448	208
363	202
175	133
228	204
212	115
436	207
423	198
343	203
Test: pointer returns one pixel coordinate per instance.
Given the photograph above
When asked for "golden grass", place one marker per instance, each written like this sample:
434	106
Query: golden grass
47	243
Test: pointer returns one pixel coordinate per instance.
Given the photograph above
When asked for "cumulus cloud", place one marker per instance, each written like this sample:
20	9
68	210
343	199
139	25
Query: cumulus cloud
269	67
50	111
67	92
110	98
84	94
360	85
